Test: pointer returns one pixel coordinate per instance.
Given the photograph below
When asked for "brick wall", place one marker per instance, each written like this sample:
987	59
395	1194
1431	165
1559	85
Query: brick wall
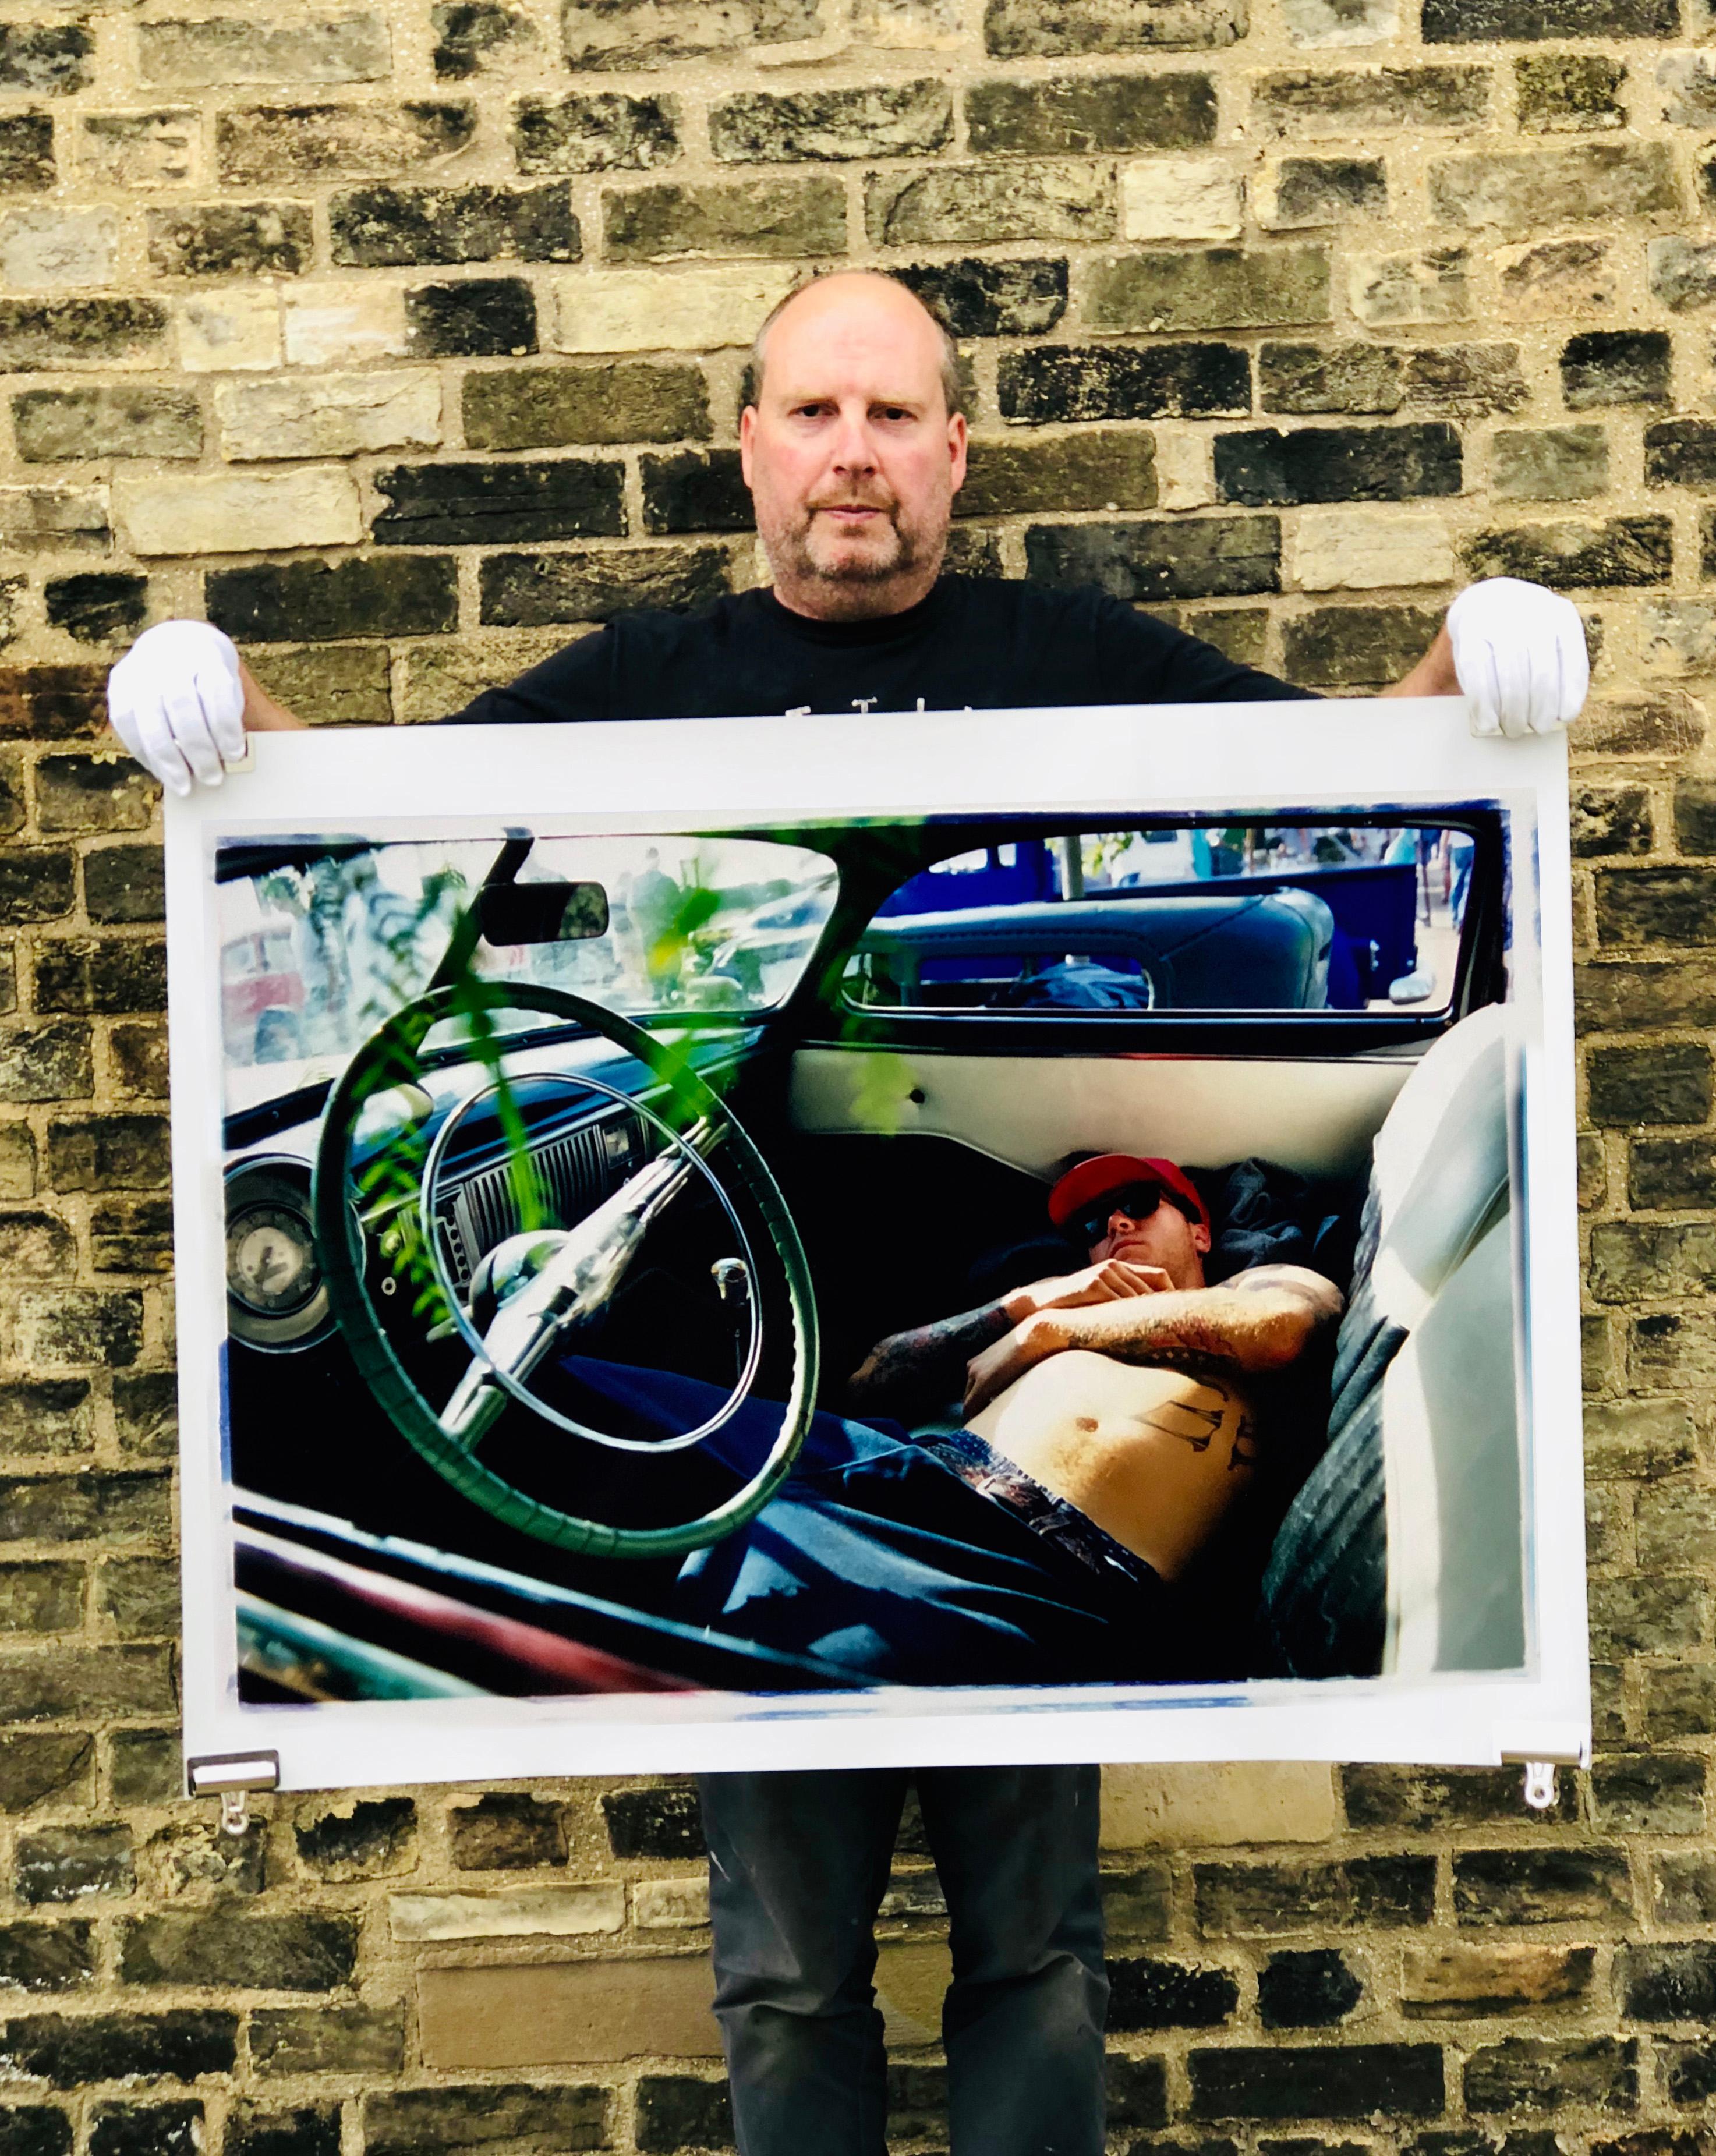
404	340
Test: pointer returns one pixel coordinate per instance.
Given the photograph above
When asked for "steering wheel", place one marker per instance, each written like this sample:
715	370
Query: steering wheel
378	1065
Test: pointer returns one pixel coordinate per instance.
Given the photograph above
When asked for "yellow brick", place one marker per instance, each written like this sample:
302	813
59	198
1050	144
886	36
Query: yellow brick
1365	549
1217	1805
231	513
557	2014
228	331
650	309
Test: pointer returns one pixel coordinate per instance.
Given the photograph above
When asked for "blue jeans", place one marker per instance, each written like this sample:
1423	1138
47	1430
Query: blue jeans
798	1866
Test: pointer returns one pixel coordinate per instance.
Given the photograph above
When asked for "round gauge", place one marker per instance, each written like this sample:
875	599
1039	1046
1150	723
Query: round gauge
270	1260
277	1300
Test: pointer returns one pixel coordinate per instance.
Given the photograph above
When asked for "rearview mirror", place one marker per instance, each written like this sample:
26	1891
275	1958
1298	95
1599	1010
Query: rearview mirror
541	912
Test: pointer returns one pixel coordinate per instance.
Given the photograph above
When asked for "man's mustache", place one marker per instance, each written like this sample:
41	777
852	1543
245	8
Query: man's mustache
860	501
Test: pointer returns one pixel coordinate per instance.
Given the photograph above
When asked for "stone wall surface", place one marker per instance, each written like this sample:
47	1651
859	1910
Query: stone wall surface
403	337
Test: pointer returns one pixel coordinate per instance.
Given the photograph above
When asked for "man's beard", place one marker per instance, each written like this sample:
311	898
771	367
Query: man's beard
798	553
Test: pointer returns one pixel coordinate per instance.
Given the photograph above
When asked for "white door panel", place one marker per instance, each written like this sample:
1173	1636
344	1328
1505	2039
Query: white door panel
1318	1118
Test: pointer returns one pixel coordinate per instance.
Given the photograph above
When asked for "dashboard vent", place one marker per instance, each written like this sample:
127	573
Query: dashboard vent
575	1171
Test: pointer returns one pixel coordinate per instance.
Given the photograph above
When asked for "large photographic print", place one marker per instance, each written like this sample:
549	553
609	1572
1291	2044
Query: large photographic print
712	1257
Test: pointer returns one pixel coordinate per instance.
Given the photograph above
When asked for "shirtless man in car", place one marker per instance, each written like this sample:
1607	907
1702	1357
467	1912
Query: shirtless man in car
1130	1389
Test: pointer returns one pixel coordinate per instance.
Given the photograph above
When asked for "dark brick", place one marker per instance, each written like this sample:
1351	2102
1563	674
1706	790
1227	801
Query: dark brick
1670	1173
100	974
36	884
38	333
1667	1084
1543	1886
425	2121
1337	463
104	1153
1310	1991
1542	2073
35	1766
45	1959
502	1831
621	400
976	298
679	2111
141	1596
26	152
147	1768
1657	906
1137	2094
273	143
11	794
146	1411
259	1953
1618	551
1204	558
146	2129
1488	22
310	2130
1649	1792
1254	1901
1681	453
125	884
1145	1994
55	426
34	2129
383	227
695	491
93	793
41	1598
1601	367
52	57
372	1837
67	2053
1562	92
104	607
599	132
660	1822
1630	1259
1688	2071
1091	113
469	34
1681	1702
1049	383
1695	815
890	120
297	602
457	504
525	591
77	1507
477	318
1099	469
139	1056
1027	29
1615	820
1347	647
50	1062
68	1863
52	703
231	240
1666	724
1336	2081
1312	191
1138	1904
328	2040
1342	378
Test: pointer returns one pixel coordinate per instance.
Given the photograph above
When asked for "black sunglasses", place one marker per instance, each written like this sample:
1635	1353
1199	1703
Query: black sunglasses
1136	1200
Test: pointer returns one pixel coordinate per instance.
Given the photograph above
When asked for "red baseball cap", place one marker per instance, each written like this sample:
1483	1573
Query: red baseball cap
1082	1187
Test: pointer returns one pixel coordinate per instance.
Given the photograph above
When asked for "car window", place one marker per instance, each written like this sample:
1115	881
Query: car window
1177	917
318	946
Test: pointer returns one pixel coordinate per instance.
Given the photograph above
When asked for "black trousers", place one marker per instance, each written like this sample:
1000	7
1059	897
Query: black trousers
798	1867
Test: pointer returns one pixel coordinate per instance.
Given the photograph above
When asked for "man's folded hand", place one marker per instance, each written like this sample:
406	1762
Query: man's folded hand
1112	1280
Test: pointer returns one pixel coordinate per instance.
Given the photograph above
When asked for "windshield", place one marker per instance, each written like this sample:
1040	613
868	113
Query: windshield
316	950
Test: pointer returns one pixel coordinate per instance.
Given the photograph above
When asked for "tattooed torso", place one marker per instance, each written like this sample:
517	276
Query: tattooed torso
1156	1457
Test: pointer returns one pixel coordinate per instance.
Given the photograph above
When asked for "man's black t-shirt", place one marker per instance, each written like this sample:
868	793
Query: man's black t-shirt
975	641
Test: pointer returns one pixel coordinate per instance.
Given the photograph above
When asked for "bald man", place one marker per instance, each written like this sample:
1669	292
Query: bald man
853	444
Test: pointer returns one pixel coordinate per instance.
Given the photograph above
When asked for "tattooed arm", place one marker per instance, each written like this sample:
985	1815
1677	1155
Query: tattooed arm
1259	1321
926	1368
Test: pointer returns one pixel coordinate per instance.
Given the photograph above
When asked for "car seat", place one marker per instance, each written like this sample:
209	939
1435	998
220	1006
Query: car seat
1402	1551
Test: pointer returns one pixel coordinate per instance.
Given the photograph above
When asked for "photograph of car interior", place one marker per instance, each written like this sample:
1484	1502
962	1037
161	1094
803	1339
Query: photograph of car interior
734	1107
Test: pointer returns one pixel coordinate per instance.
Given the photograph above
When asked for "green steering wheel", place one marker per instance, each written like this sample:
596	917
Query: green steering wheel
340	1249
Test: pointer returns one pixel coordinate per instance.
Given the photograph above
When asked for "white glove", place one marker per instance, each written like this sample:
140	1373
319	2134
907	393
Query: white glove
1520	652
177	702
